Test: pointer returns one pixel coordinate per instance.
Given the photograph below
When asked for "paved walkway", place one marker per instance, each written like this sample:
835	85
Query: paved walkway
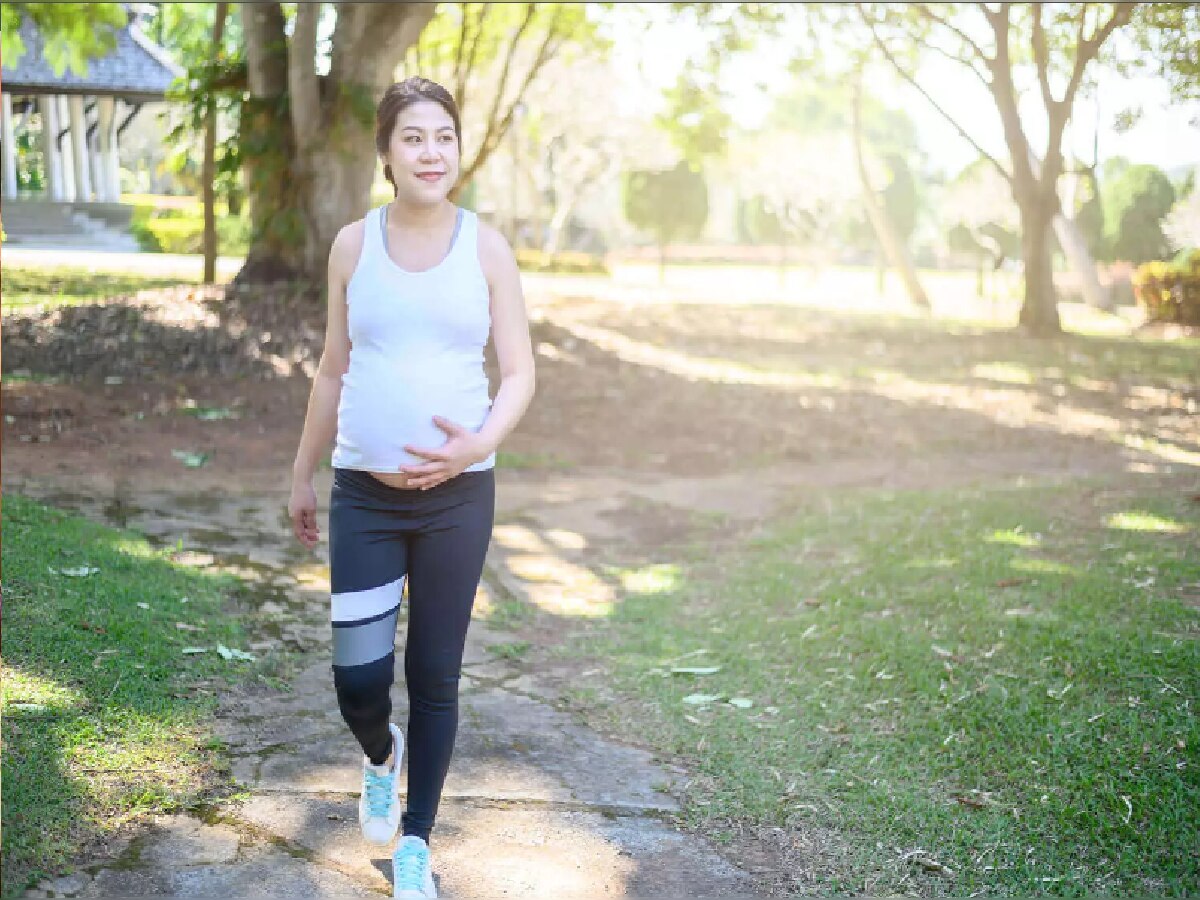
535	804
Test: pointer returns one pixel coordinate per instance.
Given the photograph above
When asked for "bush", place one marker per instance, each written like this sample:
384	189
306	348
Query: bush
1170	291
530	260
175	233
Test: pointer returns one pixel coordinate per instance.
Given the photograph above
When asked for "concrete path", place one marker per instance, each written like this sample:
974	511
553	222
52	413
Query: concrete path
535	805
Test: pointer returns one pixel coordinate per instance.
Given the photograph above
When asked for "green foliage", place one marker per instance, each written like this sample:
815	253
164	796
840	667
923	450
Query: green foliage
73	32
185	234
533	260
695	118
1170	291
1168	34
1135	203
209	81
671	204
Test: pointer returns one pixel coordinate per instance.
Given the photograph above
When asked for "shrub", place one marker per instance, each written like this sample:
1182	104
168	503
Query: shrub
1170	291
185	234
530	260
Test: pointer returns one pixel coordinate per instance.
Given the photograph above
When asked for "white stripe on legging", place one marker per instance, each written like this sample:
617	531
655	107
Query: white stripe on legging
351	606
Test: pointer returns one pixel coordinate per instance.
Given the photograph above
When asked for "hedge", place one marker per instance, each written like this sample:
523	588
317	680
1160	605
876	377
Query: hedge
1170	291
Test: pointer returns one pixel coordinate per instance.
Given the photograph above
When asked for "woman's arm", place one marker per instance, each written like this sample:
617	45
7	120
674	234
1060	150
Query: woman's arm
514	354
510	333
320	420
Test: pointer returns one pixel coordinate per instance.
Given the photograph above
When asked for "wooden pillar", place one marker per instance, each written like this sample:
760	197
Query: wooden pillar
83	182
108	150
66	153
48	110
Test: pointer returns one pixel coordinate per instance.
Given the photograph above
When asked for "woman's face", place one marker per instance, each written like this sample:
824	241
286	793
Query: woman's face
423	153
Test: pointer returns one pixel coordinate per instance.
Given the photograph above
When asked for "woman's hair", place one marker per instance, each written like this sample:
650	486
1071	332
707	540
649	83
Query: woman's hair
399	97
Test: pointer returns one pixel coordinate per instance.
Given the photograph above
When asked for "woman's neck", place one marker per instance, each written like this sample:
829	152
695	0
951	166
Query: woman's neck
417	218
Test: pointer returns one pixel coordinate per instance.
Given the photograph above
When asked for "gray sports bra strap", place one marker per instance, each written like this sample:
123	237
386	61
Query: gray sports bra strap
458	220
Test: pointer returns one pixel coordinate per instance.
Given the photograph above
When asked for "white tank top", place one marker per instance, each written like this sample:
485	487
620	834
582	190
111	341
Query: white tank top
417	341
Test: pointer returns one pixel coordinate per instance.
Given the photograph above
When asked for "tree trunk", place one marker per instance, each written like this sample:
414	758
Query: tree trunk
1075	248
894	249
208	174
1039	312
309	139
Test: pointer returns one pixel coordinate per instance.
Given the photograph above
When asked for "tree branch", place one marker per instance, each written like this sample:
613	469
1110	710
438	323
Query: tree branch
887	54
305	100
1087	48
553	40
1041	58
491	137
266	49
464	76
962	62
927	13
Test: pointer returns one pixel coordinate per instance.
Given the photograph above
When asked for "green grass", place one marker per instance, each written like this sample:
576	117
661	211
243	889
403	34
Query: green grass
511	460
62	286
1033	651
103	719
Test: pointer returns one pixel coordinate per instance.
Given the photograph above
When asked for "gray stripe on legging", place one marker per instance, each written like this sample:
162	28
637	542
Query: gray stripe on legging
359	644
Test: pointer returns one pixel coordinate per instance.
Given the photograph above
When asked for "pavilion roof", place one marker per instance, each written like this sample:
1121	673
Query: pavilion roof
137	69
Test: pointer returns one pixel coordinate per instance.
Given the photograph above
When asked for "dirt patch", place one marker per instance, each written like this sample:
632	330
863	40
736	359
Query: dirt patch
672	390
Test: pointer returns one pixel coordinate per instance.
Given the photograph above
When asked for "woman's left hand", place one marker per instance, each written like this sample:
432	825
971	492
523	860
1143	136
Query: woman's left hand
463	448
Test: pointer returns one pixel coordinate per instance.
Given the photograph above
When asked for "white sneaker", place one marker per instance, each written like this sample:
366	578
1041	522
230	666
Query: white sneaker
379	802
412	874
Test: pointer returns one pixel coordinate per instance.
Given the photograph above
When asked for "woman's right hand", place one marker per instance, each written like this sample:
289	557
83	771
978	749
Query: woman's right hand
302	510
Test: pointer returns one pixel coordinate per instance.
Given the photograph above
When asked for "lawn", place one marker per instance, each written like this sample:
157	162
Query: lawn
62	286
105	716
988	690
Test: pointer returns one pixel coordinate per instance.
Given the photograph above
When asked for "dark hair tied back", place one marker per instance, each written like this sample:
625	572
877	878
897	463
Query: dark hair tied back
399	97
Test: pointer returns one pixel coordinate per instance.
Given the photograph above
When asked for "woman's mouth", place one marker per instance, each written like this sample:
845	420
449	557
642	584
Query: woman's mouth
430	177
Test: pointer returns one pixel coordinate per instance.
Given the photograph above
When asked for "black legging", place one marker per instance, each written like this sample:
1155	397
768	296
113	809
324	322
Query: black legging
437	538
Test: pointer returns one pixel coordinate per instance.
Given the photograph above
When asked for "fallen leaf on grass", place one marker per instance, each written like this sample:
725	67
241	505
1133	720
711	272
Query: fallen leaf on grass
928	863
143	606
697	699
77	572
1019	611
1011	582
696	670
194	650
184	626
88	626
972	802
233	654
211	413
741	702
190	459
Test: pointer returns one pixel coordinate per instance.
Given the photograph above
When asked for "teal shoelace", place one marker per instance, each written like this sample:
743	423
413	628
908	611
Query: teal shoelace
408	866
379	793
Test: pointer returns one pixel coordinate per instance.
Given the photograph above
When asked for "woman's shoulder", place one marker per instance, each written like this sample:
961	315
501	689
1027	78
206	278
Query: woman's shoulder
347	246
495	253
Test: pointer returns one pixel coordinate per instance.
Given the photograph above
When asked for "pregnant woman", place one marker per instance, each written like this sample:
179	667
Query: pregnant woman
415	287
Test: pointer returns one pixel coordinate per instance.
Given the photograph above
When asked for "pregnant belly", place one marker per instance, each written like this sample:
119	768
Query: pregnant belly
374	427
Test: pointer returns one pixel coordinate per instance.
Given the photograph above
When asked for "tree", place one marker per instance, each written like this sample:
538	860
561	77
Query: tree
883	221
73	32
981	218
671	204
998	45
307	137
489	55
1182	224
1135	201
209	176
